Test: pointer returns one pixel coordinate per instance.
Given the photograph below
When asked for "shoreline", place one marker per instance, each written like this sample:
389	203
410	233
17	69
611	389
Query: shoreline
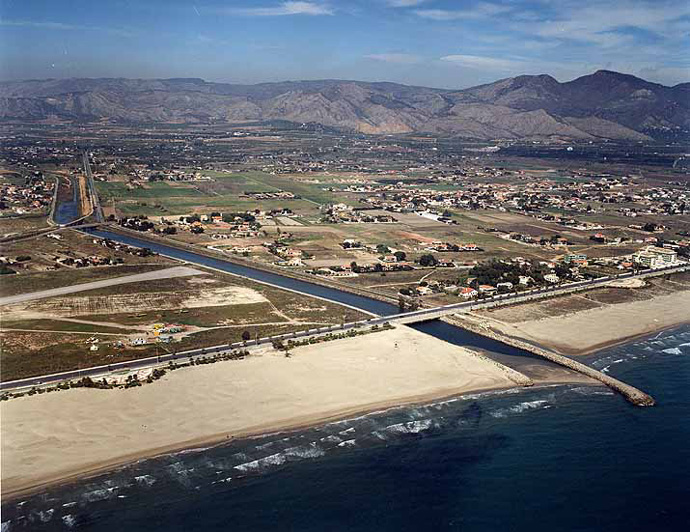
585	332
13	490
55	438
210	442
630	339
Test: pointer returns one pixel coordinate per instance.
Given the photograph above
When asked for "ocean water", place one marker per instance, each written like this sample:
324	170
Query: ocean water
562	458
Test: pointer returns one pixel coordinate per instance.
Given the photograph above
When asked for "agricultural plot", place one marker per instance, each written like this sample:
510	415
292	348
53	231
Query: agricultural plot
59	333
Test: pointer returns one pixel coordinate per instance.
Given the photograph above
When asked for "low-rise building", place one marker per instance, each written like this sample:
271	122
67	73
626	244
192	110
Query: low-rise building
655	257
525	280
468	292
423	290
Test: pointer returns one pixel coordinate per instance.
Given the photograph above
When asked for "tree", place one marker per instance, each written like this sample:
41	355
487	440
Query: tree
246	336
400	256
428	260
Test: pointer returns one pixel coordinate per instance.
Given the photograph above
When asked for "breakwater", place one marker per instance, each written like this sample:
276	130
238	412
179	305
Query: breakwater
631	394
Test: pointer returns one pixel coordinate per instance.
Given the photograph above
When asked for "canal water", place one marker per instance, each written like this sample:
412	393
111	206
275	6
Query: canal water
571	458
67	211
364	303
515	358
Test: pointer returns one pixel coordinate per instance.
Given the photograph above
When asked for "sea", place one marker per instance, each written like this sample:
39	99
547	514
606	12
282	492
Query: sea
558	458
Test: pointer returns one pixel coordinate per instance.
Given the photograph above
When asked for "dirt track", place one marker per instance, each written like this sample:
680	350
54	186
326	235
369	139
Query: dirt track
167	273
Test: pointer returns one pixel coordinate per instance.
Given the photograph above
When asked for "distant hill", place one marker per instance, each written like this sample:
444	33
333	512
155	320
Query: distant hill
603	105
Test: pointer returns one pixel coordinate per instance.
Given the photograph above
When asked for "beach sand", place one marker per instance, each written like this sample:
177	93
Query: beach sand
62	435
586	331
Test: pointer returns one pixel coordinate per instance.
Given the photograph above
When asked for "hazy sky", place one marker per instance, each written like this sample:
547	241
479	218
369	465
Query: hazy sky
443	43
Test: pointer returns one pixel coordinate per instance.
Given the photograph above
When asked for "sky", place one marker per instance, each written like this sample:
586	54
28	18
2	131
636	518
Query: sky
435	43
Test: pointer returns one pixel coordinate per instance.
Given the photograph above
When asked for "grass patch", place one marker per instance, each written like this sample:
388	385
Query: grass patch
35	282
58	325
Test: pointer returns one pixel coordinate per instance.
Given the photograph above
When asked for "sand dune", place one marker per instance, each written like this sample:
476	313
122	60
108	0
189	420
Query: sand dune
56	436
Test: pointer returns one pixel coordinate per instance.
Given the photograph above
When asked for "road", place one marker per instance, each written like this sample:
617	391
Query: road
406	317
529	295
91	187
183	356
167	273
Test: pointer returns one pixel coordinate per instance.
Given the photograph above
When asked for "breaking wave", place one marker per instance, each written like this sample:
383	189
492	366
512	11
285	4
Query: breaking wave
520	408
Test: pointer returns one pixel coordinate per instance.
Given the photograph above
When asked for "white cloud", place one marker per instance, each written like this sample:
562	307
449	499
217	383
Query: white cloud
481	10
41	25
285	8
484	63
601	23
47	25
401	59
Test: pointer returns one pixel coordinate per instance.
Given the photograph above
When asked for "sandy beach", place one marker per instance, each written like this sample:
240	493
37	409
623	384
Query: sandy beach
62	435
586	331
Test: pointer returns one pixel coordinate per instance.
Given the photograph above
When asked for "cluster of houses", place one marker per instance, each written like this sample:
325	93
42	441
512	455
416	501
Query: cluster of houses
353	270
33	196
339	213
549	242
286	255
123	248
530	196
140	173
87	261
524	274
99	260
278	194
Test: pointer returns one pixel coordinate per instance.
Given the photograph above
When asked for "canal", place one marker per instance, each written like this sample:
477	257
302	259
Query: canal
67	210
520	360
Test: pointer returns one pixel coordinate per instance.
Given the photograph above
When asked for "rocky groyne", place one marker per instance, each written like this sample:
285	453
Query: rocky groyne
632	394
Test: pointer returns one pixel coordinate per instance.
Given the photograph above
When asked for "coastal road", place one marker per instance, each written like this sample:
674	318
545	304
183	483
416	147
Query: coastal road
403	318
528	295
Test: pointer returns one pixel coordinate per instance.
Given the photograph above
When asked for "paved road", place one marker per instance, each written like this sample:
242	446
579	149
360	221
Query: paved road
415	316
95	203
537	293
181	357
167	273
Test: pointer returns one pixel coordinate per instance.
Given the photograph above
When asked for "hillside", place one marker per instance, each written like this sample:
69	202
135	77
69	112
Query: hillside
603	105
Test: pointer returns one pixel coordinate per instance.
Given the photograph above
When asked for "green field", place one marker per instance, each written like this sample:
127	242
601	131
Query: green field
221	194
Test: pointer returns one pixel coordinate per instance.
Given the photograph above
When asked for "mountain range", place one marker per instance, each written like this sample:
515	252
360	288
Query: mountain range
602	105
